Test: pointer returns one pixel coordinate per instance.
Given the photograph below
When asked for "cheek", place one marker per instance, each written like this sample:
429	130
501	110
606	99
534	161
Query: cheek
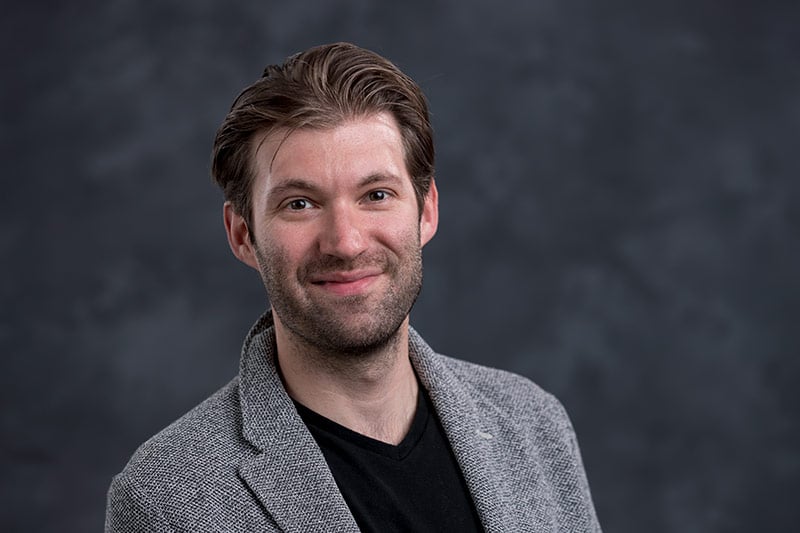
289	245
401	237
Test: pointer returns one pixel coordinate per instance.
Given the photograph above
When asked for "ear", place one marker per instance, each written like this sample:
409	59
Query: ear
239	236
429	219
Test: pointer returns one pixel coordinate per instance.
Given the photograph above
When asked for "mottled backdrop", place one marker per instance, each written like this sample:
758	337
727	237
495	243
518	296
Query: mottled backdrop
620	217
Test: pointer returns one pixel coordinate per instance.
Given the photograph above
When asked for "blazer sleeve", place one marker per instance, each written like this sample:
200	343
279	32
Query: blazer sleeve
130	510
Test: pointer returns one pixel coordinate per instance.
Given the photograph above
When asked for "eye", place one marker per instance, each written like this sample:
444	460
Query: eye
377	196
298	204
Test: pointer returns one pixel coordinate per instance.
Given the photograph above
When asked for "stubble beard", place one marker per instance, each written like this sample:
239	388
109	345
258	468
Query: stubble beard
329	327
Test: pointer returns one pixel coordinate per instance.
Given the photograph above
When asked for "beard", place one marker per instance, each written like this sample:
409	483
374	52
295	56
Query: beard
345	326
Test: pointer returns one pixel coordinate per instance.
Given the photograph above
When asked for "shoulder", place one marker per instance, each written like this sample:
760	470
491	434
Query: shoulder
203	444
511	399
501	386
496	393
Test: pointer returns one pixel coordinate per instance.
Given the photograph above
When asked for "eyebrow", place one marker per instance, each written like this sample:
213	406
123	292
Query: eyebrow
380	177
291	185
297	184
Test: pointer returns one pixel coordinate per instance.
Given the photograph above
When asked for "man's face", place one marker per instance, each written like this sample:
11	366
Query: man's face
338	232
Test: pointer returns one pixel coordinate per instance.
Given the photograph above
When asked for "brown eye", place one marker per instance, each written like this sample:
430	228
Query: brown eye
377	196
299	204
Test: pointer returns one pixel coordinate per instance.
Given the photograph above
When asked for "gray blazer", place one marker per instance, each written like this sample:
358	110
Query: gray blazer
243	461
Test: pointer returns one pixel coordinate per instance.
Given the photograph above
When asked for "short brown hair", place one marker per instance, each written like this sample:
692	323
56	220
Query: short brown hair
321	88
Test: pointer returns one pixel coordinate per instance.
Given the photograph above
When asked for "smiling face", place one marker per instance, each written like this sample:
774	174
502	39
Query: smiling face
337	233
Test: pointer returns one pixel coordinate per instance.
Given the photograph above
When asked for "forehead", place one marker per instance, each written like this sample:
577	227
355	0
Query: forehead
352	149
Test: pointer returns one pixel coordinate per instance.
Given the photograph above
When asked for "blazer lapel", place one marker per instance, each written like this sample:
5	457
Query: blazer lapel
289	476
472	437
297	489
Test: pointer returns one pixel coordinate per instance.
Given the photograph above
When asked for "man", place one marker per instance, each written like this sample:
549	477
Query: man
342	418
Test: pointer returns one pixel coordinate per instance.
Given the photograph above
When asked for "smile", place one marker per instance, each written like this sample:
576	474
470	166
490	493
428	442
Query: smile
345	283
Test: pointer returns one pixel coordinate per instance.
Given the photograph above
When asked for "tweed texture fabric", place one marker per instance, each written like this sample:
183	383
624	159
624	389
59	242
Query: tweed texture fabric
243	460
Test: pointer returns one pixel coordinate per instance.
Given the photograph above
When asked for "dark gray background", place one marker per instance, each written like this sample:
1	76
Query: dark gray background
619	222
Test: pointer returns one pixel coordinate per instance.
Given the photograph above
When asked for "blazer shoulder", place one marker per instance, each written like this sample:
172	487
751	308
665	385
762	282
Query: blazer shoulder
201	443
509	395
187	476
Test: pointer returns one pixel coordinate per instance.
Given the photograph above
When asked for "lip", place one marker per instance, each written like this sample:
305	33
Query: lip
345	283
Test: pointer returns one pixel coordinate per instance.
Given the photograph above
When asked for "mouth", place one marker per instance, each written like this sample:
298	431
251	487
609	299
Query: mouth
345	283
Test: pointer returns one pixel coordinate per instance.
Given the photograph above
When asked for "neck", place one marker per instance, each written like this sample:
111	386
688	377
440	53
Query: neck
374	394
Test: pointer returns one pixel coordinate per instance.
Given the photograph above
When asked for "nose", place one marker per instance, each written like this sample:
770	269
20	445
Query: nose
342	234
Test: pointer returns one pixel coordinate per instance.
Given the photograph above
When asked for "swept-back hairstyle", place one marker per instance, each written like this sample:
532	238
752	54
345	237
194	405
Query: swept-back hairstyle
321	88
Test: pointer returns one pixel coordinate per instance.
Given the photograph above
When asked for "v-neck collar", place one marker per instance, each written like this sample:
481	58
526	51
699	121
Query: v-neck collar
318	422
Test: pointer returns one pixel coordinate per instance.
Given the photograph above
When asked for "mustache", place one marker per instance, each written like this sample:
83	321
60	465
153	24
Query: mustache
329	264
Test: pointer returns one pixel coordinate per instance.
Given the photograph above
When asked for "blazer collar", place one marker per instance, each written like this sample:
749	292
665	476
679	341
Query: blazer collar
289	474
472	434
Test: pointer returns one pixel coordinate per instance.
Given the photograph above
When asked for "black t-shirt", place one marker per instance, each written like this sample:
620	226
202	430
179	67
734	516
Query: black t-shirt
414	486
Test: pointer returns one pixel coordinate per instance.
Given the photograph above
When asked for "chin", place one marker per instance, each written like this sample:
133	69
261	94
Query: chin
352	340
